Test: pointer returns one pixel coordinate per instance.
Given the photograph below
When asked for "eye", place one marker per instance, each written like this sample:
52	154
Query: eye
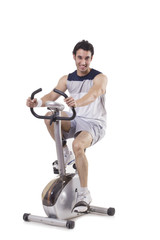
79	57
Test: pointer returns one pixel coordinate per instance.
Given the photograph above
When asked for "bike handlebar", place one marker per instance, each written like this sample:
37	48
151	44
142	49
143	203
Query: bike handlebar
53	117
60	93
35	92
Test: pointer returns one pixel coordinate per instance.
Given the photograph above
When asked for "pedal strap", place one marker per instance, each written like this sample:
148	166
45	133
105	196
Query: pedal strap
80	204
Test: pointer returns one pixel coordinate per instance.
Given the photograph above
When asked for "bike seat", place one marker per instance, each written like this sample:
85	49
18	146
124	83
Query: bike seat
54	105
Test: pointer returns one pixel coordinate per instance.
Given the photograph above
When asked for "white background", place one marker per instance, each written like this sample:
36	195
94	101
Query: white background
36	43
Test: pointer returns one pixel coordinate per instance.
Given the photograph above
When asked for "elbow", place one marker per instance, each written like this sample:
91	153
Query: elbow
102	91
98	93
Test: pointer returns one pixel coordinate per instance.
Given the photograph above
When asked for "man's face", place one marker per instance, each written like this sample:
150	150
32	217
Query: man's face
82	59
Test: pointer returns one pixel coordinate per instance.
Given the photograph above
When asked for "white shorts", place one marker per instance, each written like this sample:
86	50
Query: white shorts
79	124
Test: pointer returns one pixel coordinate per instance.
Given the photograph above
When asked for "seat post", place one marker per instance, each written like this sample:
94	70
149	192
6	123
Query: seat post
59	148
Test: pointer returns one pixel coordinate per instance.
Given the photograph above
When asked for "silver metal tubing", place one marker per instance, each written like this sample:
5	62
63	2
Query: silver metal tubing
46	220
100	210
59	148
106	211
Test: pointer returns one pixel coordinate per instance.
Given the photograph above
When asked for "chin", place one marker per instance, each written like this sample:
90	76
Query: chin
83	69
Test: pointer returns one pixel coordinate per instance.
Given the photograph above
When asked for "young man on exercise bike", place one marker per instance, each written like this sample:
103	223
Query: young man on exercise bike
87	89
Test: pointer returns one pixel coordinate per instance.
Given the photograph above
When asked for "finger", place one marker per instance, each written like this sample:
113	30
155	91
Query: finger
31	103
69	100
34	100
72	104
28	102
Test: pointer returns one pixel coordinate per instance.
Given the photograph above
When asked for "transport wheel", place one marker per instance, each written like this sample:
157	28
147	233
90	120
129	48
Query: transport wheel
25	216
70	224
111	211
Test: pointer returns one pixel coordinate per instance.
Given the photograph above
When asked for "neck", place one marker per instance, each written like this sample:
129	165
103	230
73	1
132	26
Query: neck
81	74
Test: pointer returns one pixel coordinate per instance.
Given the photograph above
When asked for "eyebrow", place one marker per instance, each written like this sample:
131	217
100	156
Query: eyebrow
79	56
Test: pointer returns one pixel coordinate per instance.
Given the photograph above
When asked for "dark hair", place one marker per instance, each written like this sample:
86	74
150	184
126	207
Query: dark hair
85	45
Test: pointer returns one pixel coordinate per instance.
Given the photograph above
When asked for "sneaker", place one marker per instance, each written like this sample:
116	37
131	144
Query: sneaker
68	158
83	201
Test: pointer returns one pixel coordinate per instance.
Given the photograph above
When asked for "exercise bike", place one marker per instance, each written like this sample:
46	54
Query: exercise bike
60	194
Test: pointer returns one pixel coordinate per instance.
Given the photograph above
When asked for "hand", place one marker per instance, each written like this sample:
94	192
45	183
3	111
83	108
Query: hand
70	101
31	103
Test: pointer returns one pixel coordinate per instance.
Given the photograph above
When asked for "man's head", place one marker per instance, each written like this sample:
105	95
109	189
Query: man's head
85	45
83	54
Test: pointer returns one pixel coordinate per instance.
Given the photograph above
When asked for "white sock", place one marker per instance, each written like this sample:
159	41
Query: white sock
66	150
83	190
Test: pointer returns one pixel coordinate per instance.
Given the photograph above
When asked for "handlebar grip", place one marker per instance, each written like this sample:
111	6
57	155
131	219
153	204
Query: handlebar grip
60	93
52	117
35	92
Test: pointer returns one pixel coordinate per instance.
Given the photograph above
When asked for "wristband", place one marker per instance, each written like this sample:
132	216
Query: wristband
39	103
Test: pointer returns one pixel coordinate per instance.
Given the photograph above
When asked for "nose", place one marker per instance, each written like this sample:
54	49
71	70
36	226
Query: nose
83	62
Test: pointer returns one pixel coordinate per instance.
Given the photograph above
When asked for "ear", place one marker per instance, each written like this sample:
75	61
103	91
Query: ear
74	56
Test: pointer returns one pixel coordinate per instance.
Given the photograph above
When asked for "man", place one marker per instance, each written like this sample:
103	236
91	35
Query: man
87	89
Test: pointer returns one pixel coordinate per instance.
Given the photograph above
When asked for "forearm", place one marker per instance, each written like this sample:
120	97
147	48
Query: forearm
88	98
45	98
39	102
52	96
98	89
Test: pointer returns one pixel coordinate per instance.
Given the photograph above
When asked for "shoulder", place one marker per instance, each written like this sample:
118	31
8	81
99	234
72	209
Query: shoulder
93	73
63	79
101	78
62	83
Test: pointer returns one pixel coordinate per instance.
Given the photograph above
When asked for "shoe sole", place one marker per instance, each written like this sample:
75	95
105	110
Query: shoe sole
69	163
81	207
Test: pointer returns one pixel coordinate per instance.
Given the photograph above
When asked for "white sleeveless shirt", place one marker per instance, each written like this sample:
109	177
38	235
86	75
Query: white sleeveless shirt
78	87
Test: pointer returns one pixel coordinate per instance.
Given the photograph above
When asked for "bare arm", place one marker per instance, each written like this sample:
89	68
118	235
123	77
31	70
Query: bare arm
98	89
52	96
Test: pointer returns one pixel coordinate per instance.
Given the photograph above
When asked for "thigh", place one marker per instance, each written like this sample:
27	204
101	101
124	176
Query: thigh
84	138
66	125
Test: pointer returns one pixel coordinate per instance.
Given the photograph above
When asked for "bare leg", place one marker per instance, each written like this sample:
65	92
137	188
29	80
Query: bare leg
82	141
66	125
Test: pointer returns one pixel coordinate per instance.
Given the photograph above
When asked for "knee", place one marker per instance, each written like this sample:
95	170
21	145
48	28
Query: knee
77	147
47	121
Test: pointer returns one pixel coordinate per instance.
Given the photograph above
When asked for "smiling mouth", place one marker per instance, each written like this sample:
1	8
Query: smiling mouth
83	66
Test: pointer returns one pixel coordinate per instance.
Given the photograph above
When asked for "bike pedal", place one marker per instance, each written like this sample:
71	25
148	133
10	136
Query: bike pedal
55	163
55	170
74	166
